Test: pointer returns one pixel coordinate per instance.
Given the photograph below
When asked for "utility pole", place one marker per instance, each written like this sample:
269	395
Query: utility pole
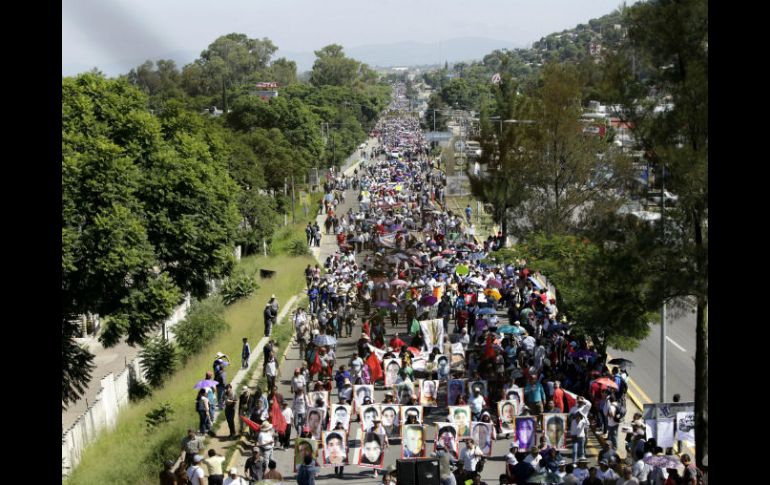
663	307
293	213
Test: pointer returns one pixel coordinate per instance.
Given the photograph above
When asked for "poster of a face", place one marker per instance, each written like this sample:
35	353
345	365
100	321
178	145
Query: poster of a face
369	412
361	391
315	420
335	449
304	447
433	332
482	434
442	367
685	426
507	412
525	432
390	420
340	414
455	390
477	387
407	411
413	441
461	416
555	426
515	393
372	452
446	434
405	391
322	395
392	366
428	392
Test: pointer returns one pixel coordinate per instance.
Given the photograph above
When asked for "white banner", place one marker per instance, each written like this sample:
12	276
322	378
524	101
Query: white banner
433	334
665	432
685	427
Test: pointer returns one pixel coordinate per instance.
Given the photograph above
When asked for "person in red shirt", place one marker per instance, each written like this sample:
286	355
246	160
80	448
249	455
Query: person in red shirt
396	343
558	396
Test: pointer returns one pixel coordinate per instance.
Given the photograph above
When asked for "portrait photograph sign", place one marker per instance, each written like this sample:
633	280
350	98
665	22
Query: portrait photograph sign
304	447
340	414
455	388
442	367
446	434
461	416
316	395
367	414
457	357
314	420
514	393
405	391
525	432
507	411
372	451
555	430
413	441
482	434
335	448
477	386
407	411
390	420
361	391
428	392
392	366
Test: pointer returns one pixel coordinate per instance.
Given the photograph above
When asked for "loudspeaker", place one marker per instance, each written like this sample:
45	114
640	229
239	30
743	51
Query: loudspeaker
421	471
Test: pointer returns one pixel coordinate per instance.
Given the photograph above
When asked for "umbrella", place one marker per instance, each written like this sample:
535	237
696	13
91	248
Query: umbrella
322	340
251	424
486	311
583	354
512	329
462	269
447	252
662	461
494	292
477	281
606	382
399	283
428	300
548	477
205	383
621	362
494	284
383	304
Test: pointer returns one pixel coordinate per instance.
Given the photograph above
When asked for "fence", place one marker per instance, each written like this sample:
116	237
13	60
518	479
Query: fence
113	396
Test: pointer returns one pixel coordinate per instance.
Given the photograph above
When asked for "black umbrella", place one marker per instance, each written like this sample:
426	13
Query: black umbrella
621	362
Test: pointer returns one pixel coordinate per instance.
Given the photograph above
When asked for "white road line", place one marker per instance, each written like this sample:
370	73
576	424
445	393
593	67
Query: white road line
675	344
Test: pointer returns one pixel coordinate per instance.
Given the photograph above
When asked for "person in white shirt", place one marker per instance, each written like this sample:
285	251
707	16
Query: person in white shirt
581	472
465	339
288	415
298	381
510	458
577	432
582	406
195	473
265	441
605	472
470	455
234	479
640	469
534	457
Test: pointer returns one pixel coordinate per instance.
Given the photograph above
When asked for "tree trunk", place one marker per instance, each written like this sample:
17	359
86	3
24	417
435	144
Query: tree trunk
224	97
701	382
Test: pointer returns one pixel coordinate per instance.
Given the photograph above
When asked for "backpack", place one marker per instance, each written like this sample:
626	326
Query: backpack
620	411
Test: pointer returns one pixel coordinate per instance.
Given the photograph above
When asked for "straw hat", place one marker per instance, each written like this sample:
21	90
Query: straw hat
266	426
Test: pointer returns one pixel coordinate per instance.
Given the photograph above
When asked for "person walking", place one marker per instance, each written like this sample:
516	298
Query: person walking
255	466
244	402
213	466
577	431
266	441
245	353
233	478
271	370
270	316
445	463
307	472
202	407
167	476
221	361
288	415
230	402
195	473
192	444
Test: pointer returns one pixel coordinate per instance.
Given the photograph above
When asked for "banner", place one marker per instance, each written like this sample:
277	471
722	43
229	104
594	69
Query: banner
413	441
457	357
433	334
664	433
428	392
390	420
525	432
461	416
666	409
304	447
407	411
315	419
367	414
361	392
685	427
335	449
507	411
340	414
555	430
372	451
314	397
482	434
456	388
392	367
446	434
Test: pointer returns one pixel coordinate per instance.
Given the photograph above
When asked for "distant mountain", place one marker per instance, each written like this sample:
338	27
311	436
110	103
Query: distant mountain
410	53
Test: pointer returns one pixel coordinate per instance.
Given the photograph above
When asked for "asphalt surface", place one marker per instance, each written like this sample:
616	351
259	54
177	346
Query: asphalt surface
680	364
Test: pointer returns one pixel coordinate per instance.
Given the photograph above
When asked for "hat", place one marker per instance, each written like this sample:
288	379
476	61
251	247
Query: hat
266	426
365	336
561	463
583	460
233	471
517	322
389	393
168	463
346	382
272	296
604	462
197	459
220	354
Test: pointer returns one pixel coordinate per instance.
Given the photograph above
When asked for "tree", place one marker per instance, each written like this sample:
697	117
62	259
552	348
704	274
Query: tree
148	214
331	67
664	64
283	71
161	83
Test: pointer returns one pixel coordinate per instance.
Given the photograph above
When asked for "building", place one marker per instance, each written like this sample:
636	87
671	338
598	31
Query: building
266	90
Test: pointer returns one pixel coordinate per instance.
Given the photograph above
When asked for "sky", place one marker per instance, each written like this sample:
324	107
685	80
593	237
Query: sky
116	35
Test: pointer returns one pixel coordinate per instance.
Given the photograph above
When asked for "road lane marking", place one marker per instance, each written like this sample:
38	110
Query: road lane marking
675	344
633	384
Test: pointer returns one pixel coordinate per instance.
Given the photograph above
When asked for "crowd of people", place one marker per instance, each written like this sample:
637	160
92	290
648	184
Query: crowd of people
477	351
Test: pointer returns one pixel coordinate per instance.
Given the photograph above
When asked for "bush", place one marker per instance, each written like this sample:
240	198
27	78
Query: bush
159	360
202	324
298	247
159	415
138	390
237	286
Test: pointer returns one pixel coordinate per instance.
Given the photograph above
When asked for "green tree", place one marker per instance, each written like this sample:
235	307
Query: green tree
161	80
159	360
664	63
331	67
283	71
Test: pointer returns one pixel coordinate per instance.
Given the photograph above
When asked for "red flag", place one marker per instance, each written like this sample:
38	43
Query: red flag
375	372
251	424
276	416
571	399
315	368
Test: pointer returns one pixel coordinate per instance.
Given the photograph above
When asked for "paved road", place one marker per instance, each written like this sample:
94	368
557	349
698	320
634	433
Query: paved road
680	354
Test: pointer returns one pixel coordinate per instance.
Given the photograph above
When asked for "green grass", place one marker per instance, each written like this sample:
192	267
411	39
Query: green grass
129	454
483	220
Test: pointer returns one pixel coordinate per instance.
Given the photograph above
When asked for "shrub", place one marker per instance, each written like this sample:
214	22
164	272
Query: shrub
202	324
237	286
298	247
138	390
159	360
159	415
